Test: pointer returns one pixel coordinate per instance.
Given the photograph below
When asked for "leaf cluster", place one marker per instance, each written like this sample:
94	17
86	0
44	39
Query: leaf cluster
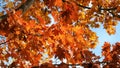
32	39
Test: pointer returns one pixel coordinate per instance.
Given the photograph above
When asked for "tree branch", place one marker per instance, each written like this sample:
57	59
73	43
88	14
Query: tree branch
100	8
3	42
83	6
25	6
118	16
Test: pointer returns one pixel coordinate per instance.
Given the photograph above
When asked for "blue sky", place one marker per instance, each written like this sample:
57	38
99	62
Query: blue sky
105	37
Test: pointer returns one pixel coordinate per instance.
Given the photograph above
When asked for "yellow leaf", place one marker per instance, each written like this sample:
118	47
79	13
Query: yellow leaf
1	13
10	5
77	29
111	30
82	15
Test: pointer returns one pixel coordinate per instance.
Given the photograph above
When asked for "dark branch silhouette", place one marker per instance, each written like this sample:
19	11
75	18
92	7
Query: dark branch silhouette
99	8
25	6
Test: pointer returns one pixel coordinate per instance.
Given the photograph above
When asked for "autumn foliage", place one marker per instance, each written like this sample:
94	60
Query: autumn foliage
32	39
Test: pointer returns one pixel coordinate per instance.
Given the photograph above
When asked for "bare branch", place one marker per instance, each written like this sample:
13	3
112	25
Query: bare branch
3	42
83	6
25	6
100	8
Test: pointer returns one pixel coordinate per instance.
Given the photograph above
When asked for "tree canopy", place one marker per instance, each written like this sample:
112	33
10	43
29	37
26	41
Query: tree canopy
31	39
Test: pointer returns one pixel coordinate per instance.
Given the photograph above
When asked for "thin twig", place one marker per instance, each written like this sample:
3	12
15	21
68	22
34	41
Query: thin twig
100	8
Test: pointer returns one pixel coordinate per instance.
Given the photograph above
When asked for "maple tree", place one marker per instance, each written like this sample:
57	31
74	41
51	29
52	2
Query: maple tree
30	34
